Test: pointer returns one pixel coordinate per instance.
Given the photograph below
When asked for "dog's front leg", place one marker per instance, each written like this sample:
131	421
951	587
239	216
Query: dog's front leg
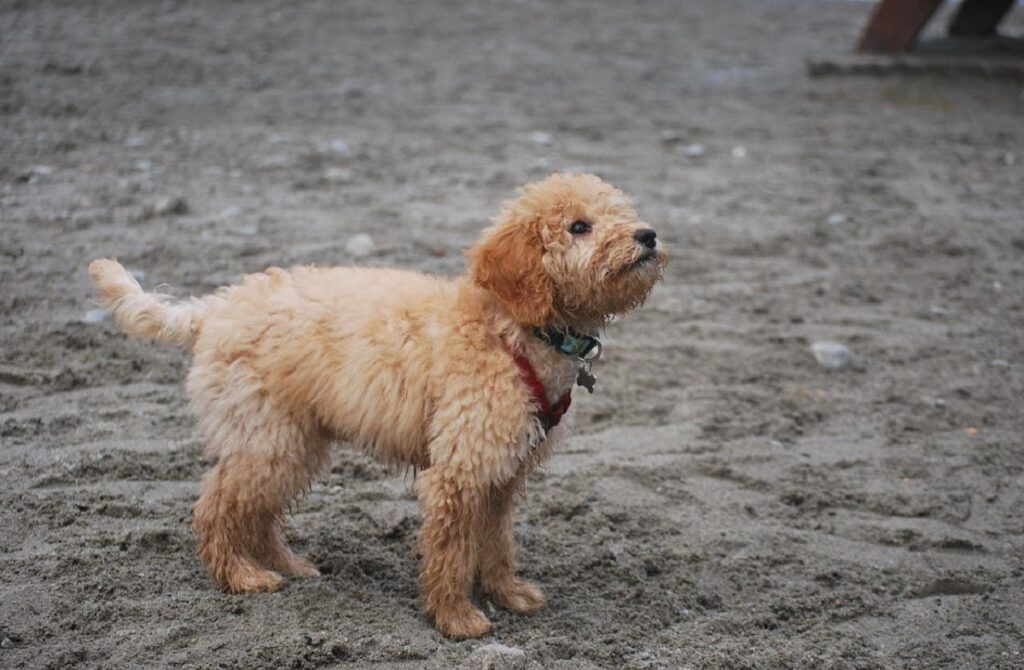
448	543
497	555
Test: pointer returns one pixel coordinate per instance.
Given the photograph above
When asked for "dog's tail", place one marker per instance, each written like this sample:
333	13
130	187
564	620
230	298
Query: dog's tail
150	315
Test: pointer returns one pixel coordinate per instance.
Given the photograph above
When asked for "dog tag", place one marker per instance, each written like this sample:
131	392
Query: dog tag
585	379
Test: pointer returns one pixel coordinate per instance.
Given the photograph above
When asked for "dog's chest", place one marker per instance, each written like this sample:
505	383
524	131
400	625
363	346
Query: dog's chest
556	371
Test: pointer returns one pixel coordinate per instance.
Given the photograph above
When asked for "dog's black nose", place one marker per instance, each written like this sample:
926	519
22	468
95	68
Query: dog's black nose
646	237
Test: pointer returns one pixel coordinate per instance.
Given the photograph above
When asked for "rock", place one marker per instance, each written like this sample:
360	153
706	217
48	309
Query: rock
360	246
336	146
143	165
170	206
95	316
134	141
695	150
35	173
669	137
541	138
836	219
338	175
231	212
496	656
832	355
739	152
7	643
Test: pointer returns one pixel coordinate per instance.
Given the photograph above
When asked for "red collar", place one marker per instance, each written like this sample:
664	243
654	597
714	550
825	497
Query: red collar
549	415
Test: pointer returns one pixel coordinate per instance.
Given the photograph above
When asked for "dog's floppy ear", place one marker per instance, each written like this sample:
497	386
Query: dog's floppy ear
508	262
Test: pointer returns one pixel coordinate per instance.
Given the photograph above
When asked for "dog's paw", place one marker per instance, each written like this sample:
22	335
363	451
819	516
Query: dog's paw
246	580
301	567
462	621
519	596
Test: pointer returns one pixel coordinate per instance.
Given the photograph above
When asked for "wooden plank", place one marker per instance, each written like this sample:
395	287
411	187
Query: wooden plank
979	18
895	25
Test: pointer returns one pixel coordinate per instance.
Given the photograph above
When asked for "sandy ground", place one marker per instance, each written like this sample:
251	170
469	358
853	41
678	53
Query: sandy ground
726	502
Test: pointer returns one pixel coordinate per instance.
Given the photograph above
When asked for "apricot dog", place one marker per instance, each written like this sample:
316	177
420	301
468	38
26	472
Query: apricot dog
463	379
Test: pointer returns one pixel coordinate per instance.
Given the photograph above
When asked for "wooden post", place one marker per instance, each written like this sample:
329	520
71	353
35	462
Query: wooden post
979	18
895	25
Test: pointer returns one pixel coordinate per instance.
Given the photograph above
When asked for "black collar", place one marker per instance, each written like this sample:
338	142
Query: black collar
568	340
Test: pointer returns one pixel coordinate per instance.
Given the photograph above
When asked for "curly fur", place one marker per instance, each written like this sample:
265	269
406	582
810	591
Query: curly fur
411	368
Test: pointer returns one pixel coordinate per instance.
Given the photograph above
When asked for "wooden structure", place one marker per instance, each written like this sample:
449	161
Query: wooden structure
895	24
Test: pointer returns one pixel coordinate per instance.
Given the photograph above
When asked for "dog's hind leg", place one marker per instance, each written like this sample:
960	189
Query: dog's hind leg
266	458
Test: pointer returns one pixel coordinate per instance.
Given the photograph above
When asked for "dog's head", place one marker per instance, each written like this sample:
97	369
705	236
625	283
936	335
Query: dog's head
570	248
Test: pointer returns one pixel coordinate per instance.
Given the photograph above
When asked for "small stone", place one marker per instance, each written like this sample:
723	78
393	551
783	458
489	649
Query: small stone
231	212
336	146
35	173
496	656
1009	158
360	246
338	175
695	150
999	363
669	137
144	165
6	643
739	152
170	206
832	355
937	310
95	316
134	142
541	138
836	219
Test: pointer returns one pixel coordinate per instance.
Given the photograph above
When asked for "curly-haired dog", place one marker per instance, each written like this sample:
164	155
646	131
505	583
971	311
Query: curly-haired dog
463	379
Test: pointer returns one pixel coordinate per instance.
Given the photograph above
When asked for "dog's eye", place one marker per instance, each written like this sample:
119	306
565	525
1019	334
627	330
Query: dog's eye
579	228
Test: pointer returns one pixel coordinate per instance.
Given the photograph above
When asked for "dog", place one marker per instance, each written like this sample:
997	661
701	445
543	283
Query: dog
465	380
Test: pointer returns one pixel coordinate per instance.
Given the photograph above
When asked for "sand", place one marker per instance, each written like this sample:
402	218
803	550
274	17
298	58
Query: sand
726	502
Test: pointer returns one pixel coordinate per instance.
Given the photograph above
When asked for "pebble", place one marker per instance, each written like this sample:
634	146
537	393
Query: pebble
739	152
669	137
360	246
35	173
95	316
134	141
496	656
999	363
695	150
832	355
144	165
338	175
170	206
541	138
7	643
336	146
231	212
836	219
